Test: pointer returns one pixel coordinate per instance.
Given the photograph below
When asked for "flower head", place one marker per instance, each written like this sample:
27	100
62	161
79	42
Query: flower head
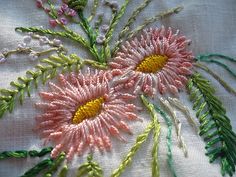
81	113
158	60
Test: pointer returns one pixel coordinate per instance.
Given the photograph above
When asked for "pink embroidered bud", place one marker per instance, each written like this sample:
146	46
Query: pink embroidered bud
53	23
60	12
72	13
39	3
64	21
47	10
64	7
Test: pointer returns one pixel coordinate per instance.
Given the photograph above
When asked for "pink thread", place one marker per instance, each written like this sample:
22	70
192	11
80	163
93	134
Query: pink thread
64	99
154	41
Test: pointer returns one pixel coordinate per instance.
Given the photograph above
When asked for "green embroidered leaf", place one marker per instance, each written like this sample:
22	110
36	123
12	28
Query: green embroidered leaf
90	169
215	125
47	70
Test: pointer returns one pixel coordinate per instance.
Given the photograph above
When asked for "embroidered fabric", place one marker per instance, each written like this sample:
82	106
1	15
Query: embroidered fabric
211	26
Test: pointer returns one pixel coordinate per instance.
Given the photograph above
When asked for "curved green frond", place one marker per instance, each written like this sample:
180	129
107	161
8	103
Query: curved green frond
215	125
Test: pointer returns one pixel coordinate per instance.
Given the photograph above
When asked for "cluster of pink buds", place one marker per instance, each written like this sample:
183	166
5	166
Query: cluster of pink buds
65	10
61	15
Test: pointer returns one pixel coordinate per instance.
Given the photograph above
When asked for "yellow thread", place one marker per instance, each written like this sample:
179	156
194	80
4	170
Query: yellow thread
88	110
152	63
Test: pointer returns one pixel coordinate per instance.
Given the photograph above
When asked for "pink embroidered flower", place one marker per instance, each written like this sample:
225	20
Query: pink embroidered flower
81	113
158	60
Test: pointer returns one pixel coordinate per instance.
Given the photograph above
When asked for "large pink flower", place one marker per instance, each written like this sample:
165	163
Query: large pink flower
157	60
82	111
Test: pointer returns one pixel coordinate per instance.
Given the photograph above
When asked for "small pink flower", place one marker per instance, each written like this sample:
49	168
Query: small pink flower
158	60
60	12
64	21
72	12
53	23
82	112
39	3
64	7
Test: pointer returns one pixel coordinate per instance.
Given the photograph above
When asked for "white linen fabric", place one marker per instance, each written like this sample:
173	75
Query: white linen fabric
211	26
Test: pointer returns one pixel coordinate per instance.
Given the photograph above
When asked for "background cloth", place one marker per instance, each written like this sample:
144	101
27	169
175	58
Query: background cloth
210	24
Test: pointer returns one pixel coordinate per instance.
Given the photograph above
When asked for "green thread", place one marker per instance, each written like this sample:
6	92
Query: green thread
93	11
128	159
77	4
168	137
46	71
63	172
221	81
91	35
53	11
38	168
56	163
130	21
132	18
156	135
115	20
215	125
206	58
155	18
90	168
215	55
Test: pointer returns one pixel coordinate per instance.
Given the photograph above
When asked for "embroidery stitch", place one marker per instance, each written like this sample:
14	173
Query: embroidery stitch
215	125
149	55
84	108
174	62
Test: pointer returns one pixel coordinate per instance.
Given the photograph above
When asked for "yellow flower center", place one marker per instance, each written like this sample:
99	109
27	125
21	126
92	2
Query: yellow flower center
88	110
152	63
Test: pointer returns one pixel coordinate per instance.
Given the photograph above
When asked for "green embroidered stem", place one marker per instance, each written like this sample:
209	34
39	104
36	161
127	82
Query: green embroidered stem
95	64
24	153
91	35
215	125
218	63
63	171
221	81
128	159
130	21
156	134
132	18
93	11
69	34
53	11
90	168
46	71
215	55
168	137
56	163
146	23
38	168
115	20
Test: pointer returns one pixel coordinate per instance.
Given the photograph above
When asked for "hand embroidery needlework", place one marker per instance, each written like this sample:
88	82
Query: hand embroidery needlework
92	101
